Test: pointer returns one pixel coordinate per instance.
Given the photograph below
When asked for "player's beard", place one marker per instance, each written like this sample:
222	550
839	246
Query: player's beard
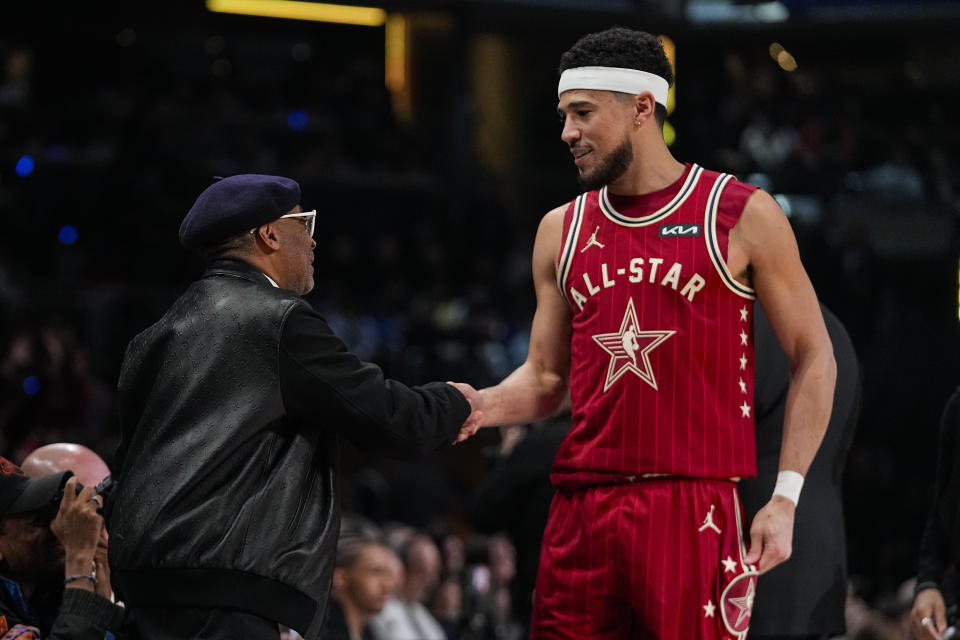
610	168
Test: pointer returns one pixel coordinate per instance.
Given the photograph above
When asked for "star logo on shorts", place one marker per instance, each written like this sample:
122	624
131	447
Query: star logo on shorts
736	602
630	348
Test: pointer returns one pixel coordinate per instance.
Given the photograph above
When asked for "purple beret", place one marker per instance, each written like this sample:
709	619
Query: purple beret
234	205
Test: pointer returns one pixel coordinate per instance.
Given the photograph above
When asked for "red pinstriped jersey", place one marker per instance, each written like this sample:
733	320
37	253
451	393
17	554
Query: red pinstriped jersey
661	375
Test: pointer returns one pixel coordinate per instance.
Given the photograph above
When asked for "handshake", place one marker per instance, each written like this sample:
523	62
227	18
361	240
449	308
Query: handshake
475	419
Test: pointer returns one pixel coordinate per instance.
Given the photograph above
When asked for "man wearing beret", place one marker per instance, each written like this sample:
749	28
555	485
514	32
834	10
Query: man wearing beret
49	533
227	511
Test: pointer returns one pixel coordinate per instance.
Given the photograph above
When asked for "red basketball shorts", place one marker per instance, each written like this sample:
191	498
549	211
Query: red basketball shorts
659	558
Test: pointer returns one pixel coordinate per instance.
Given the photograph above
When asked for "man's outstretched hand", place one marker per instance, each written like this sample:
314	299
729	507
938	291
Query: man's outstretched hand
475	419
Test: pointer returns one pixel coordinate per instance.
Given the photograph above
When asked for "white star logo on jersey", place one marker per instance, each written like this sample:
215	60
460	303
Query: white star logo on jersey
729	565
744	604
736	603
626	352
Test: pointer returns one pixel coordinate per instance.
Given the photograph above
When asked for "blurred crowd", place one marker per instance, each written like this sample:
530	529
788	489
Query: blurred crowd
420	586
421	270
49	394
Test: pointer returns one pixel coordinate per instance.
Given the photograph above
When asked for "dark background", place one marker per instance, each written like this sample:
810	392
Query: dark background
114	117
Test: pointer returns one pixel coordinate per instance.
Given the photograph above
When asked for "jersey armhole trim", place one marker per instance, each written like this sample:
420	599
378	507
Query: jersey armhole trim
713	246
567	250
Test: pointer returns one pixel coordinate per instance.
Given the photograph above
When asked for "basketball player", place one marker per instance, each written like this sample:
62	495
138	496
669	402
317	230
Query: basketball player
645	287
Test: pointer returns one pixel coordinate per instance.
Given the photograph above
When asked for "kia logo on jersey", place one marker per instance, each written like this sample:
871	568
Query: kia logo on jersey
679	230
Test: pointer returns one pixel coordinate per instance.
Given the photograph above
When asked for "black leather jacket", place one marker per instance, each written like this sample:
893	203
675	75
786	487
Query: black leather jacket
231	407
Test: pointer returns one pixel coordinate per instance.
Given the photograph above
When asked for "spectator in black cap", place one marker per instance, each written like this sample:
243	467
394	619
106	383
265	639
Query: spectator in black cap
48	536
90	470
232	406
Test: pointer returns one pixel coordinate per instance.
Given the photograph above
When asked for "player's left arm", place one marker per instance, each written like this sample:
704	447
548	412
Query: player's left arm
766	241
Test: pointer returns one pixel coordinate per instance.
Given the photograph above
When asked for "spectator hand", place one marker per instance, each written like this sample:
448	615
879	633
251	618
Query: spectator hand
77	526
928	606
510	437
771	534
103	587
475	419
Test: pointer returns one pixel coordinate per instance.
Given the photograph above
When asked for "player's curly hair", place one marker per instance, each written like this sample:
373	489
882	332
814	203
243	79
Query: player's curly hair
621	47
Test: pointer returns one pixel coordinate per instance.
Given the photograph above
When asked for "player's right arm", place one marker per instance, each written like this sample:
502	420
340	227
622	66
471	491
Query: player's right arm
536	388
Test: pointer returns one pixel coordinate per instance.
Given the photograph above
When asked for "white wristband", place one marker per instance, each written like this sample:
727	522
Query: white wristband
789	484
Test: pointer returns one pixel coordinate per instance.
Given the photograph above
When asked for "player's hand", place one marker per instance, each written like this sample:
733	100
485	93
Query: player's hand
771	534
928	607
475	419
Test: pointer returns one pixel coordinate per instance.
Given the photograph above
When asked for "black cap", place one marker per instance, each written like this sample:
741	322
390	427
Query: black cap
20	494
234	205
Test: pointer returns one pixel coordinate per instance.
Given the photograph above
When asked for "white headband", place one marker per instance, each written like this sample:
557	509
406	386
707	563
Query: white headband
632	81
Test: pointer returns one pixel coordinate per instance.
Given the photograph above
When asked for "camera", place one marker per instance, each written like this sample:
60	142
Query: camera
104	489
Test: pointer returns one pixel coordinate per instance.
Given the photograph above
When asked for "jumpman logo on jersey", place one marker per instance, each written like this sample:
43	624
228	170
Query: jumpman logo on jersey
624	349
592	241
708	522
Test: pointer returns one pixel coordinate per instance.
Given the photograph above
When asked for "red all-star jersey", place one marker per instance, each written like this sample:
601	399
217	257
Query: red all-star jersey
661	373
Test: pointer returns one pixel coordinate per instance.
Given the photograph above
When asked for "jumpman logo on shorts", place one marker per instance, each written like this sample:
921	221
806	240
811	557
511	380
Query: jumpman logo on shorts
592	241
708	522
